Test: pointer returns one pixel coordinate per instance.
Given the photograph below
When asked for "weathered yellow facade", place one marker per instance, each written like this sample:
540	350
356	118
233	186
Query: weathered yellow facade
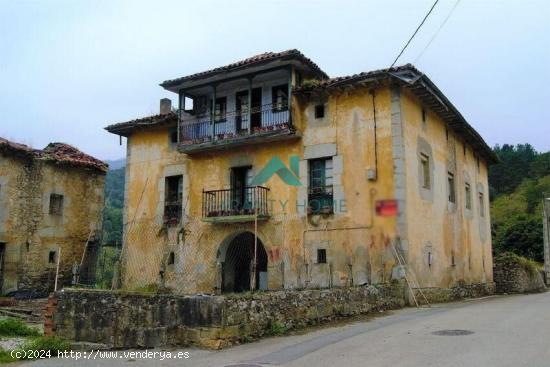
32	237
374	133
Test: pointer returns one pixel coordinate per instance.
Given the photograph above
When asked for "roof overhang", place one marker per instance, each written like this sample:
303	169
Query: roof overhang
245	68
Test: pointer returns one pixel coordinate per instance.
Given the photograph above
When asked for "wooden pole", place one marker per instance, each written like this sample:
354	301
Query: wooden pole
255	264
57	270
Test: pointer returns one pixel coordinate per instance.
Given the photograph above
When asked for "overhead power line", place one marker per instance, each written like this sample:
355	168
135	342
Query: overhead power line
437	32
415	32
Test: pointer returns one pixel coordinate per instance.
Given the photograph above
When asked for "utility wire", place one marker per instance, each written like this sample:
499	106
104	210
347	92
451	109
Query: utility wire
414	34
437	32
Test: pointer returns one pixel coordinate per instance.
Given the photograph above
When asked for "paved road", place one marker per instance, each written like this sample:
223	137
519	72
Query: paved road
506	331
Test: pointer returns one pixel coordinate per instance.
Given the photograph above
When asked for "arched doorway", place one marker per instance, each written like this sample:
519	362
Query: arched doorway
237	259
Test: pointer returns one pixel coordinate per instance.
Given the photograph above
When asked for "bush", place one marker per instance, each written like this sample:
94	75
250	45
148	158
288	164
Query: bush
5	357
509	258
51	344
278	328
16	327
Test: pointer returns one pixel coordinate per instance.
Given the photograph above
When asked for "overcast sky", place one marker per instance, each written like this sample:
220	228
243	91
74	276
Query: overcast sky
69	68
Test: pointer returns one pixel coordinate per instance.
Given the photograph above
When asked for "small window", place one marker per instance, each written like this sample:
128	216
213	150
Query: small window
464	148
477	163
468	194
319	111
425	162
423	115
173	136
279	98
321	256
52	257
171	258
481	205
451	187
173	199
447	133
56	204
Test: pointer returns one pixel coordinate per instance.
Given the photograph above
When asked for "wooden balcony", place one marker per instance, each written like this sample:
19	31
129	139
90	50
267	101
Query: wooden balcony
261	125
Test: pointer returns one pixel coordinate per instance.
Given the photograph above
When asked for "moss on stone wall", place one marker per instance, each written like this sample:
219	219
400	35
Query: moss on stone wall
516	274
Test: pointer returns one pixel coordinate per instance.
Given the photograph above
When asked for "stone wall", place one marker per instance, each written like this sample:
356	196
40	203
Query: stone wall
32	238
514	274
123	320
459	291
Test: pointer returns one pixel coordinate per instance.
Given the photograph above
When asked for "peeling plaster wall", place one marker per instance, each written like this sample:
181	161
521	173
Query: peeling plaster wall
357	243
438	228
30	232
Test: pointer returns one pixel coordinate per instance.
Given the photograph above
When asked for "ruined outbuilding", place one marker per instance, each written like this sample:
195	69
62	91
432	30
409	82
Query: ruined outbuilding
51	202
271	175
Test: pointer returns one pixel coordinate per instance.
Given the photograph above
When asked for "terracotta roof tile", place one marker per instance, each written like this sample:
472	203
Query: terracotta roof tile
124	128
58	153
256	59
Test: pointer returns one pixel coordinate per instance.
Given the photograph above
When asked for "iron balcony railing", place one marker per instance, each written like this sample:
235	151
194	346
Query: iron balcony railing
233	202
233	124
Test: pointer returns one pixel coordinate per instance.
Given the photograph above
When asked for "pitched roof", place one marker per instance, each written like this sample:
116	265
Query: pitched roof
250	61
420	85
58	153
127	127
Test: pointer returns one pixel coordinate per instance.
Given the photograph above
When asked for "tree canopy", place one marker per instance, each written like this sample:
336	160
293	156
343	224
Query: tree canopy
518	184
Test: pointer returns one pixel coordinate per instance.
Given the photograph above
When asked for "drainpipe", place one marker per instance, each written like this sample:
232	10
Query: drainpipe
289	95
213	113
249	113
373	94
180	111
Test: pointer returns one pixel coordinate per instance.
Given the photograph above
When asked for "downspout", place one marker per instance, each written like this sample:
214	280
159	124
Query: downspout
373	94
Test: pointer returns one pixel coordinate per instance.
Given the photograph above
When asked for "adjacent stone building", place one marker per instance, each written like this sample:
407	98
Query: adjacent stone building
51	202
271	175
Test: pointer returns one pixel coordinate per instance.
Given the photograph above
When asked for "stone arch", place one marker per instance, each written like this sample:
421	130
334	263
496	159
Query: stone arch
236	257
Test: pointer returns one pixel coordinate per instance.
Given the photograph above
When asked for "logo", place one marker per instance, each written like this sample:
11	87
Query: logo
290	176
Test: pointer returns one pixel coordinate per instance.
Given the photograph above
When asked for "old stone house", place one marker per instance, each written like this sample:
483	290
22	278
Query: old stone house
51	202
272	175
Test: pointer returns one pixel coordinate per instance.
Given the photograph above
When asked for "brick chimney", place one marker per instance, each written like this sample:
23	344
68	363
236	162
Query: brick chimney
165	106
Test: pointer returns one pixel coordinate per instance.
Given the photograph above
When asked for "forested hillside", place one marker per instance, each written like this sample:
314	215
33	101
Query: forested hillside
114	203
517	185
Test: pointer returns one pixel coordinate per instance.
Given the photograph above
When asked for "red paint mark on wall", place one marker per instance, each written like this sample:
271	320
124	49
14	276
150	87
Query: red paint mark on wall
386	208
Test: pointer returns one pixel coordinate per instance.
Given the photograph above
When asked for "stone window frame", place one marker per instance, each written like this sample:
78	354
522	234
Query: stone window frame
319	111
483	231
316	151
171	260
426	179
468	211
321	256
451	187
47	256
424	151
312	118
56	204
481	203
467	196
